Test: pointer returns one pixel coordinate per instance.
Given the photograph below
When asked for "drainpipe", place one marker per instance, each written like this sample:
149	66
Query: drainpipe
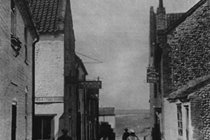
33	82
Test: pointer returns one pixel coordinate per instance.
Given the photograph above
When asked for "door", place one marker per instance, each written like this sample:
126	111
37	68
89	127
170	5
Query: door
14	121
43	127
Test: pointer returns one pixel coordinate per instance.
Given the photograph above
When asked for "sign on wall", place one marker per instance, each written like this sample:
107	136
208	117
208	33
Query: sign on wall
40	100
90	84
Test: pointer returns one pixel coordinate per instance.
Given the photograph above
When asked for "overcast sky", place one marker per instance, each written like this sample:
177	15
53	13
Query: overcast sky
116	32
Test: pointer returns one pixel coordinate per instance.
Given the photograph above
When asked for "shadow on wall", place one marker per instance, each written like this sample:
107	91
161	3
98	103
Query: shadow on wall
61	126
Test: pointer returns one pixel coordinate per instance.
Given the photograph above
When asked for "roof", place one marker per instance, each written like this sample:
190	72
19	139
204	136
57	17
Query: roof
182	17
107	111
172	17
81	63
46	14
190	87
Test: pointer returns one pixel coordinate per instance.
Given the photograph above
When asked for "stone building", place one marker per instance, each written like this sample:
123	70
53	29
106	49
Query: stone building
180	48
17	41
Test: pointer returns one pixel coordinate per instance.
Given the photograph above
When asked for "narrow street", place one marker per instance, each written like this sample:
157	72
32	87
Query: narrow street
104	70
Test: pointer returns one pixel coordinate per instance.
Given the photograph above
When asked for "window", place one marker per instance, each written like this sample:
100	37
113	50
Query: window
155	90
26	42
78	126
187	122
43	127
15	42
179	118
13	18
26	111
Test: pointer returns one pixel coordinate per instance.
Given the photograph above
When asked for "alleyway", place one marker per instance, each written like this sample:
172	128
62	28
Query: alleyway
104	70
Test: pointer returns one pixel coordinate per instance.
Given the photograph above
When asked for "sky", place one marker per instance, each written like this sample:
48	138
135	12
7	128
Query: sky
116	33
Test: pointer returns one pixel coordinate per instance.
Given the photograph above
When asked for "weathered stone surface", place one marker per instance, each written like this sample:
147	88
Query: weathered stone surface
190	48
200	107
189	53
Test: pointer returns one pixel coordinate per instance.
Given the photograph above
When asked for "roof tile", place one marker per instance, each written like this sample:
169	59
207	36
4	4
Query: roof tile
46	15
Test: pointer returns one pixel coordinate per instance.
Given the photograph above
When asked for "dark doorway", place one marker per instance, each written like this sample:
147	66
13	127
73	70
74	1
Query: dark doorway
43	127
156	134
79	126
14	120
187	122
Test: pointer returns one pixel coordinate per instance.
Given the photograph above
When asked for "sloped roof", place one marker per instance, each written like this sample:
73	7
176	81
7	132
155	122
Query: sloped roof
81	63
46	14
172	17
189	88
189	48
182	17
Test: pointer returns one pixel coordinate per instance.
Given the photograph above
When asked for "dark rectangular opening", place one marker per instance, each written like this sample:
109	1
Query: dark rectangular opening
179	119
187	122
43	127
14	121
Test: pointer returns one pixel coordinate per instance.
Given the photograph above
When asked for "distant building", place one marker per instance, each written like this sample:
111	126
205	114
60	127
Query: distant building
17	41
178	73
107	114
107	123
81	99
92	106
88	109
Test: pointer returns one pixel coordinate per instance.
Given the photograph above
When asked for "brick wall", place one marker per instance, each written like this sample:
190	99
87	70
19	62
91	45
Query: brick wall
49	69
49	80
16	78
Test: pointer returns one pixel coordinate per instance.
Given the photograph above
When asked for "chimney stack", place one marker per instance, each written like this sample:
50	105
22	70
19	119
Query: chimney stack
161	8
161	21
161	3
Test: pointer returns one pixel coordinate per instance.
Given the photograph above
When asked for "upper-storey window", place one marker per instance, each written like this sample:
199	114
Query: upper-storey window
13	18
26	44
15	42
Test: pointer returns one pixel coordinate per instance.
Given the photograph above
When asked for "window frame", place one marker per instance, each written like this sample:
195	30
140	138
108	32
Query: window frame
26	45
13	18
179	120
